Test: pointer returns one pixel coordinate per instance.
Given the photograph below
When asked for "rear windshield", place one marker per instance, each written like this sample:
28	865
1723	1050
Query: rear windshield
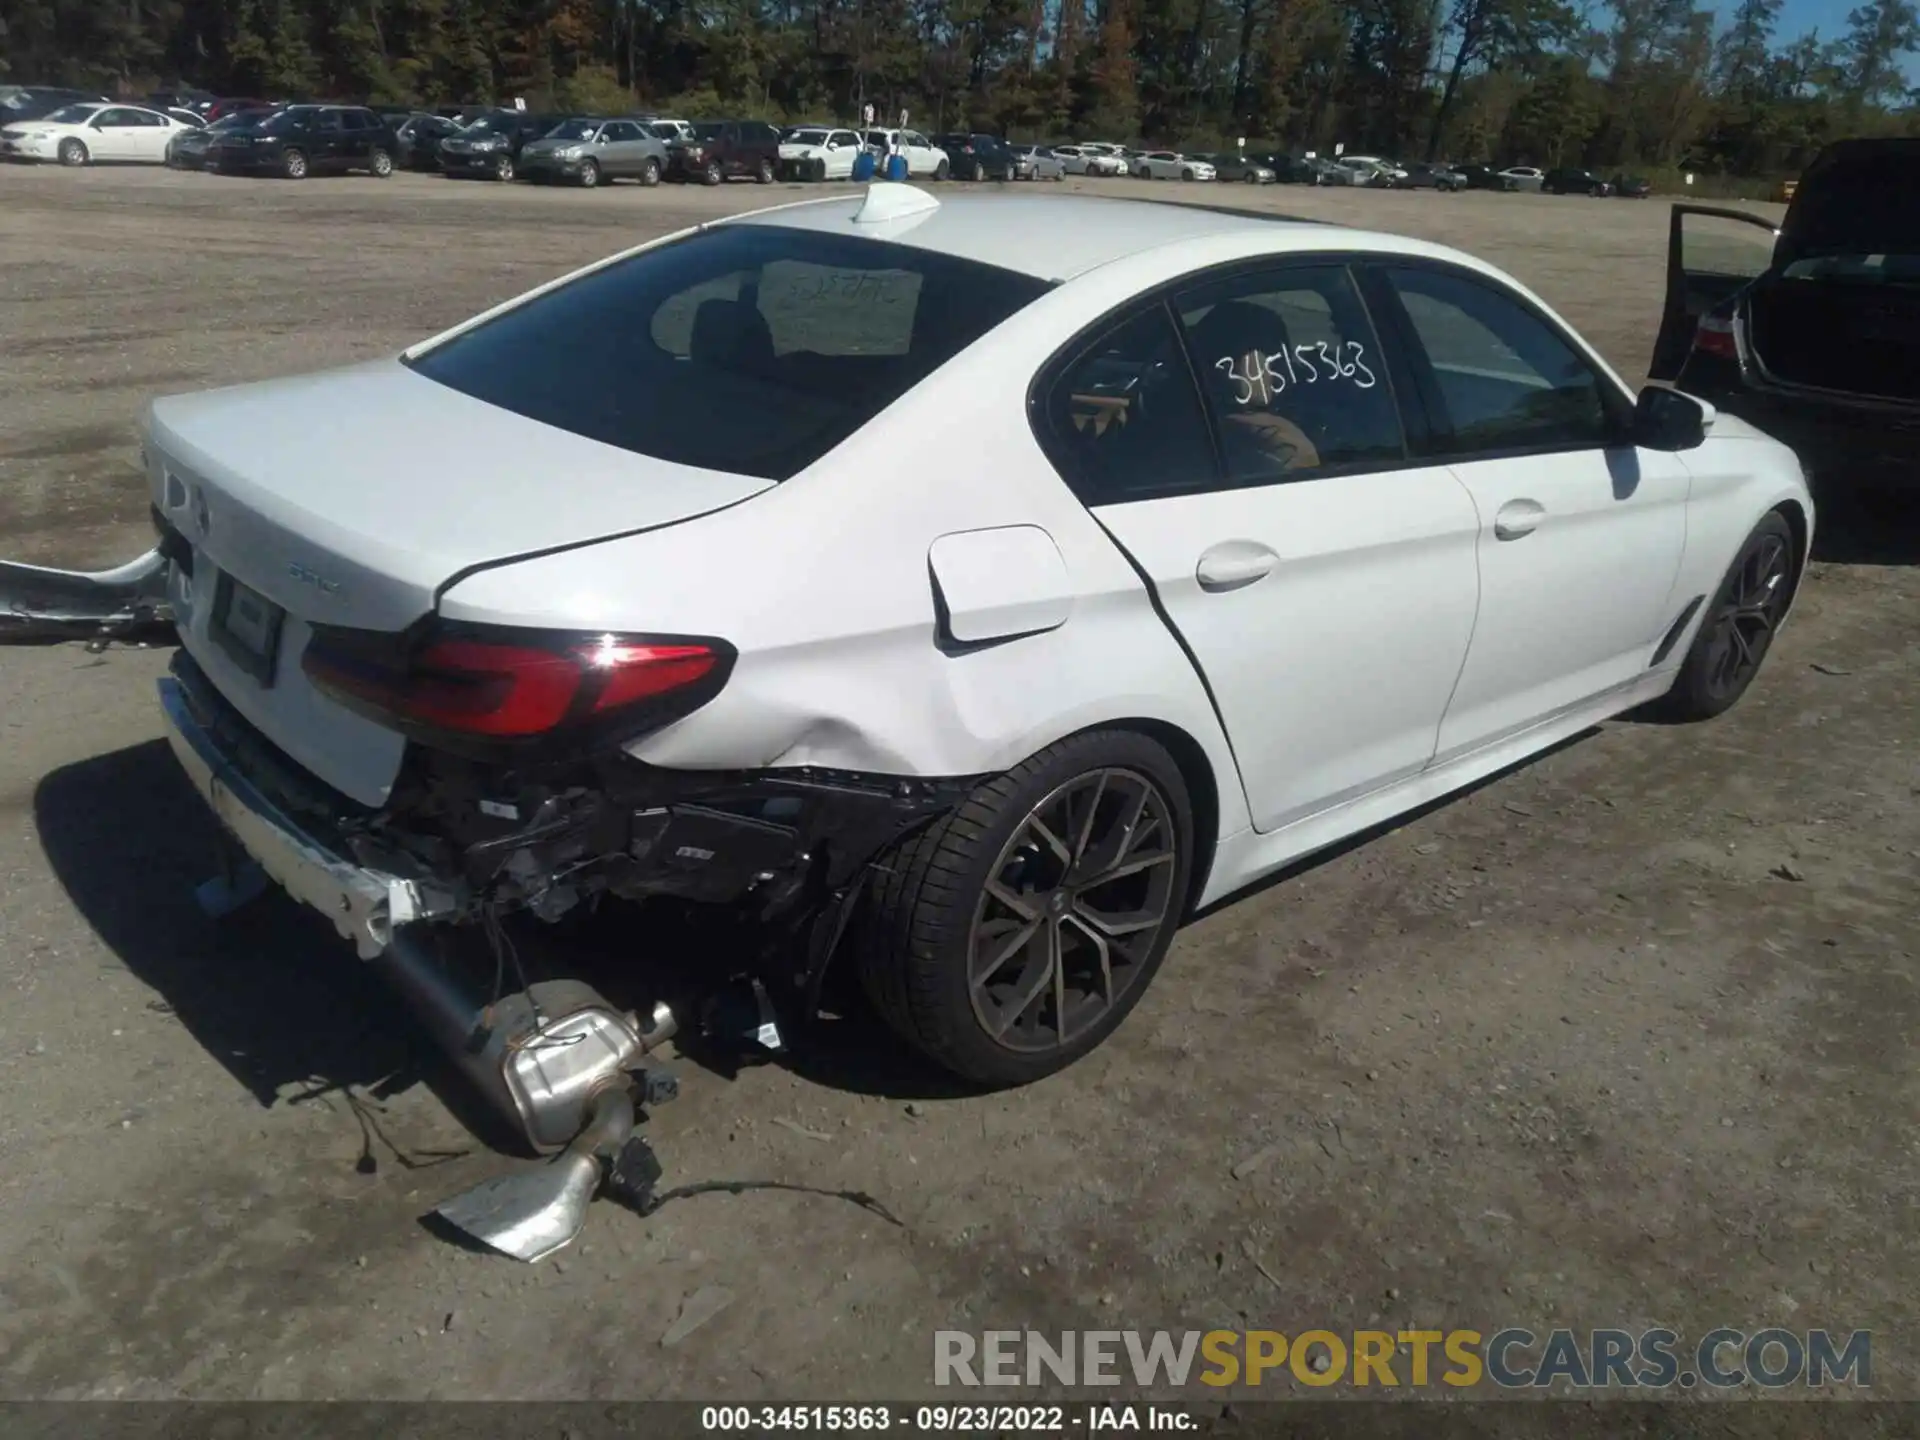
1867	205
747	348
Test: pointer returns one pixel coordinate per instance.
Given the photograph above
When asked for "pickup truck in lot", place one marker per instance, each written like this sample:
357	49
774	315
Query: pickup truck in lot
1811	331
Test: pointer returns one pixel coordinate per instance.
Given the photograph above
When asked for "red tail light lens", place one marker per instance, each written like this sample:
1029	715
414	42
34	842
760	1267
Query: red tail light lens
509	685
1714	336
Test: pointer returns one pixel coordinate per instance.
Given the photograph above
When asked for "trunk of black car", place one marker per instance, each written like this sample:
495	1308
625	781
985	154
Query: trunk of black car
1858	336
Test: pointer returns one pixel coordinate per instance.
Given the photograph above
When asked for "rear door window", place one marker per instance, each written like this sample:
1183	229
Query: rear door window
1292	373
748	348
1122	420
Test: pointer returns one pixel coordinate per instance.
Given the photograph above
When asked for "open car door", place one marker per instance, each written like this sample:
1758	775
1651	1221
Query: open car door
1711	253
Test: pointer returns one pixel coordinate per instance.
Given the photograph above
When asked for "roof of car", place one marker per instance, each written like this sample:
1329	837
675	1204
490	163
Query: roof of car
1082	231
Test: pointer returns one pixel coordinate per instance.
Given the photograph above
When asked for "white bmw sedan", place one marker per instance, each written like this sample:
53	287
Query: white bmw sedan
969	589
85	133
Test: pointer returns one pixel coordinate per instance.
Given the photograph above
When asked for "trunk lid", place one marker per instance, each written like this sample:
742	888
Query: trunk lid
351	498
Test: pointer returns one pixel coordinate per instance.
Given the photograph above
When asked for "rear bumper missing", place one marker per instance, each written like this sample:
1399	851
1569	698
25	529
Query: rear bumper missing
364	903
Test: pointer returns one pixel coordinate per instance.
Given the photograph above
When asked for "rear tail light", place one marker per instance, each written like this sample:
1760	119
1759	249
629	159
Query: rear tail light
1714	336
497	685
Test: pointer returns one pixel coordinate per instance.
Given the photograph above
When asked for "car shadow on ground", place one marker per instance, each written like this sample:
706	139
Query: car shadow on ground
270	991
282	1003
1868	528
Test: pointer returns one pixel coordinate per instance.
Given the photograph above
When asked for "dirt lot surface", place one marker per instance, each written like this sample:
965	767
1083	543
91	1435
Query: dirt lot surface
1621	1038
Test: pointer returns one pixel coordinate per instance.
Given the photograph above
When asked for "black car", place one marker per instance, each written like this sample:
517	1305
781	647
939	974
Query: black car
1631	187
1820	348
36	102
489	148
188	150
1569	180
418	138
978	157
1484	177
721	149
1288	169
301	140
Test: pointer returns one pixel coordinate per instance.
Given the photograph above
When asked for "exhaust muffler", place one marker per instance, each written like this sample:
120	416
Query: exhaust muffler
556	1062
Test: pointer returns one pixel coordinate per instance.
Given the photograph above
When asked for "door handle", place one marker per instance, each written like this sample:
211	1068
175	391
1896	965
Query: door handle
1517	518
1233	564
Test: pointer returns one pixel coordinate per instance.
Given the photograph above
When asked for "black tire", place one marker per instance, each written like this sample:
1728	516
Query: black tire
72	153
978	173
1737	631
1186	174
763	172
503	169
293	165
650	173
818	172
914	946
379	164
712	174
589	174
942	171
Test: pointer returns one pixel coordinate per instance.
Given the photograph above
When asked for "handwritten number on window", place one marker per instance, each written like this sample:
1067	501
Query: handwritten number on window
1267	376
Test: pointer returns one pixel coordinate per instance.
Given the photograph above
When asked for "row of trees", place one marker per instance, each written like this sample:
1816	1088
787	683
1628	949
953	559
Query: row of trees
1639	83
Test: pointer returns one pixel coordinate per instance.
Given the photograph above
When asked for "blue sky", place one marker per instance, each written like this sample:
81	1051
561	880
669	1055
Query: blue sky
1799	16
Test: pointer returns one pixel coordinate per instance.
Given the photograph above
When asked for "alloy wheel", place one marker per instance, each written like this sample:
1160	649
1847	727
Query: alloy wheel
1072	909
1742	627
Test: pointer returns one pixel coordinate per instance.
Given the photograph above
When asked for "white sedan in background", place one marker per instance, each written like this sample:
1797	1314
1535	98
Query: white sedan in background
1089	160
1524	177
1170	165
1130	564
820	154
85	133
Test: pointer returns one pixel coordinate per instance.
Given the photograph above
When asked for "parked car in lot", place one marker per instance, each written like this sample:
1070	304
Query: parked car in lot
588	152
1038	162
417	140
296	141
722	149
1424	176
1171	165
665	127
978	157
1485	177
819	153
1088	160
224	107
1523	177
1571	180
188	148
1811	331
925	159
1231	165
490	145
34	102
623	674
1633	187
87	134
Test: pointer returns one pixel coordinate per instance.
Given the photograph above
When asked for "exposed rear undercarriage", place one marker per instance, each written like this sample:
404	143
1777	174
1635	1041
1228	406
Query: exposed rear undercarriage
461	844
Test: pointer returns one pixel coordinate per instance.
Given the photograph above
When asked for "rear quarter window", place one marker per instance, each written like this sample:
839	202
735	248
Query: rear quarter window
749	349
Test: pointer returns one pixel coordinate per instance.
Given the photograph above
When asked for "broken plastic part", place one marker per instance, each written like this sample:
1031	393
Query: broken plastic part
38	605
633	1174
743	1014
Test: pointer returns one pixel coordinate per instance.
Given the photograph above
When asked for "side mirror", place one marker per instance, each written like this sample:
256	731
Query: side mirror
1670	420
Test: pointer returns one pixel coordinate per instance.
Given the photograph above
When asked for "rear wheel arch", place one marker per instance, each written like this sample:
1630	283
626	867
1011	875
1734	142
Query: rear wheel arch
1203	795
1796	517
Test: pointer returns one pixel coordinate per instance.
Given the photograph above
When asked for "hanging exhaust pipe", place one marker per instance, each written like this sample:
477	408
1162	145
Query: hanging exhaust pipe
554	1061
538	1056
534	1213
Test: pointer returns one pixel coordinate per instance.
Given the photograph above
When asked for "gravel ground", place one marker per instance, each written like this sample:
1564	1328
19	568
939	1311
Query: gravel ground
1621	1038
